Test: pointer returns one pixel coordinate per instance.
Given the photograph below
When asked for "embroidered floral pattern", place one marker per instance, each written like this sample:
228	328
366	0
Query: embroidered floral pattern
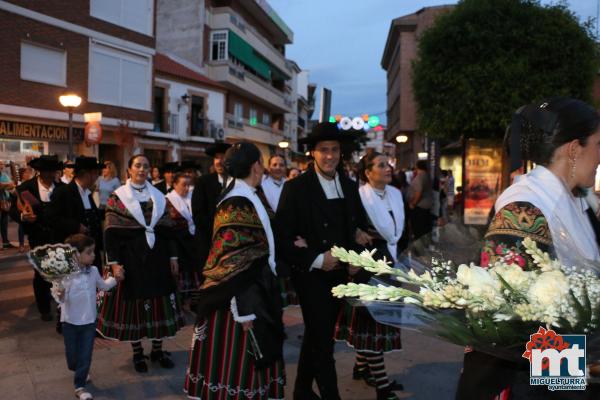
508	229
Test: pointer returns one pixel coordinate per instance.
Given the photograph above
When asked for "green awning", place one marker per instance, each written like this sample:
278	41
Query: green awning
241	50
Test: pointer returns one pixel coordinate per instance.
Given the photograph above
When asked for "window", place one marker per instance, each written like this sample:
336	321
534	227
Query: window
253	120
136	15
160	112
43	64
266	119
119	78
238	113
218	45
198	122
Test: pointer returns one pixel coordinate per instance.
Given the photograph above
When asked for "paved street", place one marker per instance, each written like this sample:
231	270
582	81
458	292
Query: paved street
32	363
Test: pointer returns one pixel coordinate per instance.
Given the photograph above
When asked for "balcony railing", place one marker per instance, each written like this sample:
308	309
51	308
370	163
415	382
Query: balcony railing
166	123
236	123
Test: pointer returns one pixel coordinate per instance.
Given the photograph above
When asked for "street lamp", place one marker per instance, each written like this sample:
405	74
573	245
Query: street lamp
401	138
70	101
422	155
284	144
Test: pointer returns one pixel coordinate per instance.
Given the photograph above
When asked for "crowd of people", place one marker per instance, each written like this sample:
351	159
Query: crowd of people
236	245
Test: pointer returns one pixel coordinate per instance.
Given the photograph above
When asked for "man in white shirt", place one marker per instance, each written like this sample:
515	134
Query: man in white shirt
273	183
323	207
30	210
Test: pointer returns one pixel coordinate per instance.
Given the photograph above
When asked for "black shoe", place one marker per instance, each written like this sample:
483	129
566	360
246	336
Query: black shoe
139	363
310	395
363	373
46	317
388	392
163	358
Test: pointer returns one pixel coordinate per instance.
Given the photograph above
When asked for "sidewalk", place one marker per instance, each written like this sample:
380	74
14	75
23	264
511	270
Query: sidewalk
32	362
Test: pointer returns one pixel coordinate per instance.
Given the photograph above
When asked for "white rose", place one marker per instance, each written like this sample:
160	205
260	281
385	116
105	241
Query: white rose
514	276
548	289
478	280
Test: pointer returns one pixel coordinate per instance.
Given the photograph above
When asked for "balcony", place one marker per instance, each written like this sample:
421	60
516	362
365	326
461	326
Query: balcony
238	79
236	129
226	18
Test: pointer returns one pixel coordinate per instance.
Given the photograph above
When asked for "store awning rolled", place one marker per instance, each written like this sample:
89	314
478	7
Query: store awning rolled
245	53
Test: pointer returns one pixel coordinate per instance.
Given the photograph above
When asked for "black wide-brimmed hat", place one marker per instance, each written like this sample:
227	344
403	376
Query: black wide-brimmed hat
327	131
217	147
170	167
84	163
46	163
189	164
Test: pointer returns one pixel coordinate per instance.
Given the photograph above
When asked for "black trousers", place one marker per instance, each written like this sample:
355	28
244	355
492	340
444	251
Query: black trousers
319	310
41	291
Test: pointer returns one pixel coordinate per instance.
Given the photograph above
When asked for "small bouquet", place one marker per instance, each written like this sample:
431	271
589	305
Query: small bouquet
54	262
493	309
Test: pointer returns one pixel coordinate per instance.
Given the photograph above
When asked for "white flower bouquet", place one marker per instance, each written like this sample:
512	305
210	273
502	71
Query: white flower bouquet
494	309
54	262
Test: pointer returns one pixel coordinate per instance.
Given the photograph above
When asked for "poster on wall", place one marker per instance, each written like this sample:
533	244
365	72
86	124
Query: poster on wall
483	175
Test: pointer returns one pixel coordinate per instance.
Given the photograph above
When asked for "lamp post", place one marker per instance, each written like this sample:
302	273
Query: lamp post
70	101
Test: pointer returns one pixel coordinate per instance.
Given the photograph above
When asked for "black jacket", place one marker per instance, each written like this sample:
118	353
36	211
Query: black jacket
162	187
66	212
41	231
204	204
303	211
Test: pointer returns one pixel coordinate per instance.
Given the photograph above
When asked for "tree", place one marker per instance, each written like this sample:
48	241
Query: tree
481	61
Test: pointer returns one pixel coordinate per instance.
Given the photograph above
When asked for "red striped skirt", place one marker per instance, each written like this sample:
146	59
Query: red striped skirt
133	320
358	328
220	366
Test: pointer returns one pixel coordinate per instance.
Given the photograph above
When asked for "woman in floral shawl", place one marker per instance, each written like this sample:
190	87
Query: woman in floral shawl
562	137
237	346
138	247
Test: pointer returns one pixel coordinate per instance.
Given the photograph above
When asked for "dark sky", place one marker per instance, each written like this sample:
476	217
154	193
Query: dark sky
341	43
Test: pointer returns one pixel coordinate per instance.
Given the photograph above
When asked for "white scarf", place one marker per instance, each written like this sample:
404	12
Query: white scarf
127	196
572	234
242	189
380	217
184	206
272	190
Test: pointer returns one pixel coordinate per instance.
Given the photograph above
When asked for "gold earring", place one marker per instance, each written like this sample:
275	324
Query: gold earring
573	163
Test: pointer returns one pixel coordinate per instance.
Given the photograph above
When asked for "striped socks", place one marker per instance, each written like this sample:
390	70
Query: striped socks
377	368
138	350
156	345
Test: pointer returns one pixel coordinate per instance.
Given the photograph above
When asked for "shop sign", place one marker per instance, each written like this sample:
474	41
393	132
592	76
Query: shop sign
93	133
32	131
483	175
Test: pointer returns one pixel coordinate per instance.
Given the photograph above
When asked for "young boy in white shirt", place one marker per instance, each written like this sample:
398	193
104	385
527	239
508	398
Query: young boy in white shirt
78	316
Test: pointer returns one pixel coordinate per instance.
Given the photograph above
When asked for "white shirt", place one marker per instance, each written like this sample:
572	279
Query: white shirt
224	185
79	303
65	179
45	193
85	196
272	189
333	190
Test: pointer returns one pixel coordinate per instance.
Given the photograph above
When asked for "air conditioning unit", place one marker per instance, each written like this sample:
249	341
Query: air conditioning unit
217	131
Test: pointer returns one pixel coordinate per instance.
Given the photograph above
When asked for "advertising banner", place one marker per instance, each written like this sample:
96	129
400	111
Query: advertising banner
483	176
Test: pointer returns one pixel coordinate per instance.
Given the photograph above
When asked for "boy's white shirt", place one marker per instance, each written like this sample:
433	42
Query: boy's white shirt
78	306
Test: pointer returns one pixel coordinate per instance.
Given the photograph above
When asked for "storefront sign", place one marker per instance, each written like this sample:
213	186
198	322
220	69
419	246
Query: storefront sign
31	131
93	133
483	174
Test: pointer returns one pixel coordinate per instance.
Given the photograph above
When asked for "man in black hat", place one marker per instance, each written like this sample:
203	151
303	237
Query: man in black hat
31	210
73	209
204	198
323	207
168	171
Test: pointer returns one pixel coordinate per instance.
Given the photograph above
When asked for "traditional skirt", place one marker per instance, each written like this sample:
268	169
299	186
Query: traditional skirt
132	320
288	293
356	326
221	366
